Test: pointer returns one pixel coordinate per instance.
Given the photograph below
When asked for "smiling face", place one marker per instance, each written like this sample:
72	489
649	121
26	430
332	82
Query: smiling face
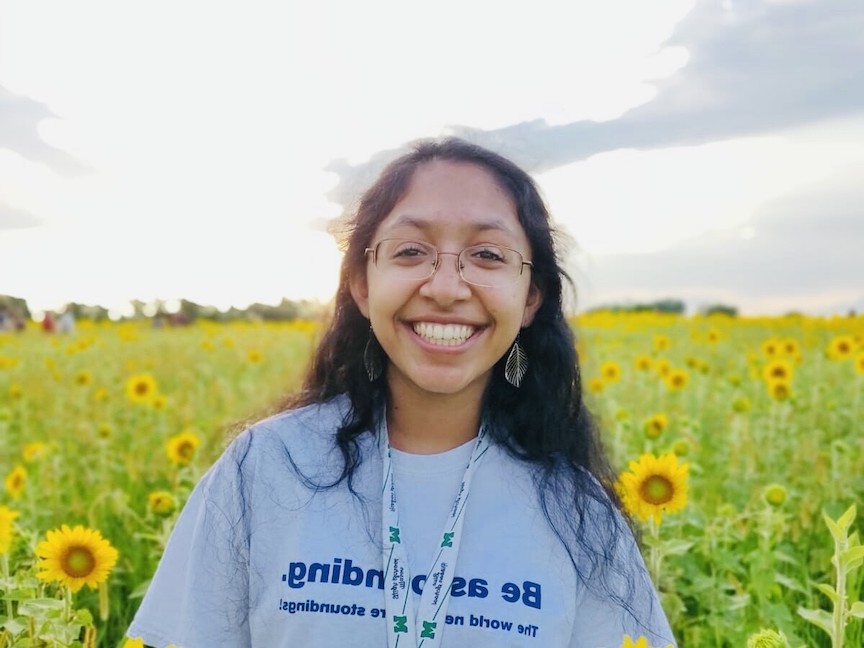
441	334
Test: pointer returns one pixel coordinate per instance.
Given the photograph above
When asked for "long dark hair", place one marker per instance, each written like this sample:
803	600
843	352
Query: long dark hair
544	422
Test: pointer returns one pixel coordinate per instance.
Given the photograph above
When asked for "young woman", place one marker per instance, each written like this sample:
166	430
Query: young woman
438	481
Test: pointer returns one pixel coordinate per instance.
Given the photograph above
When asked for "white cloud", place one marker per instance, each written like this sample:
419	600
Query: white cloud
627	201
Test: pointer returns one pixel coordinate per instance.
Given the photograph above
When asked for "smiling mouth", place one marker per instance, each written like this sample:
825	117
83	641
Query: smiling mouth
443	334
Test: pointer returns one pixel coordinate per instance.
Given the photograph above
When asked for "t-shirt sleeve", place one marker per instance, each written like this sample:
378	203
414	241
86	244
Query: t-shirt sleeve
199	594
624	603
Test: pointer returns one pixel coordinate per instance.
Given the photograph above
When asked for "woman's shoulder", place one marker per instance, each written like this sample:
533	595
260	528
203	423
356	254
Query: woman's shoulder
306	435
317	418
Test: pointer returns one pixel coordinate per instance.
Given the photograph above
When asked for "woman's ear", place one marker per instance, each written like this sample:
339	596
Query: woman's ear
532	305
360	291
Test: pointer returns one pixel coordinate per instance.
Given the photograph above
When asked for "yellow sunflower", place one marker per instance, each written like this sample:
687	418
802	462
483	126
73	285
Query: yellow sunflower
713	336
141	388
653	486
841	347
133	643
7	362
611	371
655	425
596	385
771	347
7	517
676	379
662	367
33	451
83	378
15	481
643	363
161	502
75	557
791	347
254	356
859	363
181	448
779	390
778	370
661	343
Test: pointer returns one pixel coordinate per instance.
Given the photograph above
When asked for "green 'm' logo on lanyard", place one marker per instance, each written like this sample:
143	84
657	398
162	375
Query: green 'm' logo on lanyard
394	534
428	630
401	623
448	540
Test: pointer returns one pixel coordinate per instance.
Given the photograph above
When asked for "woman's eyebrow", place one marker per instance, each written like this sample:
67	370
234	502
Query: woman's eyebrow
423	224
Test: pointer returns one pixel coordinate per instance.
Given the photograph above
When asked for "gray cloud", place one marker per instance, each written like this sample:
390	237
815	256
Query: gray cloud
755	68
805	246
19	119
13	218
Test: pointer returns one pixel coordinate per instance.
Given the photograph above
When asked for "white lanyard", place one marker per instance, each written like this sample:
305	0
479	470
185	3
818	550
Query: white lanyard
425	627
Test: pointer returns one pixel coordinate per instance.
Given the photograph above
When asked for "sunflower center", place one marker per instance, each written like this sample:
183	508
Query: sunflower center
186	450
78	562
142	388
657	490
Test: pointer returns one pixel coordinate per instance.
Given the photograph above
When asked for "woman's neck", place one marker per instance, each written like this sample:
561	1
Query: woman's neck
424	423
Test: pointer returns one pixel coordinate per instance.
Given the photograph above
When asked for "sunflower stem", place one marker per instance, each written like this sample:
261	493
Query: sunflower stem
841	544
4	565
67	604
104	609
655	555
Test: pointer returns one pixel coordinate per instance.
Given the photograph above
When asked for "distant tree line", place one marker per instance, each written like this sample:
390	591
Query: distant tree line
188	311
666	306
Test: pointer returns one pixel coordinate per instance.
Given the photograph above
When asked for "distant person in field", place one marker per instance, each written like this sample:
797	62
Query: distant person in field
66	322
49	325
438	481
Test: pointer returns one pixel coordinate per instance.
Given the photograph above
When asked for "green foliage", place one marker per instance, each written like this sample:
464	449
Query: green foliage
848	556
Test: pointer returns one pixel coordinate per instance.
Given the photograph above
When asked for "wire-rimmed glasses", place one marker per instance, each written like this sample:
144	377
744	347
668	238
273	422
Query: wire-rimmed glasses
487	265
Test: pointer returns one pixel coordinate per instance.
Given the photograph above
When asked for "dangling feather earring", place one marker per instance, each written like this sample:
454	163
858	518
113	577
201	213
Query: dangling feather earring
517	364
372	357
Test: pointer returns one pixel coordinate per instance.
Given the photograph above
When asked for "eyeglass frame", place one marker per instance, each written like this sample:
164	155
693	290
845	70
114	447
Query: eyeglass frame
438	253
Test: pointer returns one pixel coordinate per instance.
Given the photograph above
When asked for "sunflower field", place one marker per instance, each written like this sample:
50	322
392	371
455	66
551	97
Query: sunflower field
739	445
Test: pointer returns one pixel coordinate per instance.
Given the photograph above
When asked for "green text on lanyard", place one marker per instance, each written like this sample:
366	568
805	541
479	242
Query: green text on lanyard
404	627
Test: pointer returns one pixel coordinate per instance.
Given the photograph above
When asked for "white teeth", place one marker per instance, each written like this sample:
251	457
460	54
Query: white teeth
443	334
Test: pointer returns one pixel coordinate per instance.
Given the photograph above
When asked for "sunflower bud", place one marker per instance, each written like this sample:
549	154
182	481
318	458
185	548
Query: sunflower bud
767	639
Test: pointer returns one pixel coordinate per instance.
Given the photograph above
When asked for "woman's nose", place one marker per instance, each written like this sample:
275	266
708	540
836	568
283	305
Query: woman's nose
446	284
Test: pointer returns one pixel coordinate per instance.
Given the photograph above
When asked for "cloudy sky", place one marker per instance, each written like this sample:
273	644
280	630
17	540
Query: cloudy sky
707	150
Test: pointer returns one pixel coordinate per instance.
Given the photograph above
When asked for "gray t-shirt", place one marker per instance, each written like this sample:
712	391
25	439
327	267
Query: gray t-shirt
263	557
